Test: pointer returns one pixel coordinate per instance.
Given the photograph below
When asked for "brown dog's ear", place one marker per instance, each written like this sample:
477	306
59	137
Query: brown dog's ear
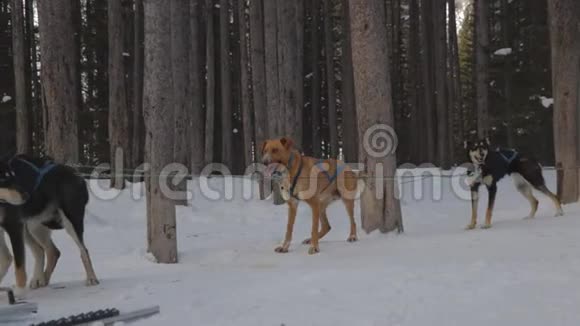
287	142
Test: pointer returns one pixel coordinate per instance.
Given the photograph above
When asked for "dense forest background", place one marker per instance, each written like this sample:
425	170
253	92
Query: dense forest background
432	44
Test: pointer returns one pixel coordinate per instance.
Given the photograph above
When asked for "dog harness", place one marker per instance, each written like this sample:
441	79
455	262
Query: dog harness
333	177
30	181
295	179
508	159
320	165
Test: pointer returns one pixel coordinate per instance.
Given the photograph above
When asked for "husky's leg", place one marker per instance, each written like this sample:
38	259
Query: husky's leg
42	235
15	232
76	233
492	191
38	278
5	257
554	198
474	202
526	190
532	172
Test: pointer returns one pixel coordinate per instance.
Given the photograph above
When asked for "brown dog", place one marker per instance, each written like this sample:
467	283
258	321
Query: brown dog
318	183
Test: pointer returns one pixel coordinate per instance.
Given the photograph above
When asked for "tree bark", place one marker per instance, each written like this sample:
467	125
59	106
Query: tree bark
349	124
180	48
246	109
482	66
138	57
226	85
197	116
416	143
427	68
288	71
330	79
316	80
159	113
260	88
119	115
455	105
59	74
379	210
507	73
21	81
210	106
565	43
258	61
298	128
275	114
441	80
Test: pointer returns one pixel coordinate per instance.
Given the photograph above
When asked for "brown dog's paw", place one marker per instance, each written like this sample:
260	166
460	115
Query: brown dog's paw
281	250
313	250
352	238
306	241
470	227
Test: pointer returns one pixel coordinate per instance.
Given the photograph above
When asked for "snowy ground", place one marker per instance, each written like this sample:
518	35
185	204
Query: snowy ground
518	273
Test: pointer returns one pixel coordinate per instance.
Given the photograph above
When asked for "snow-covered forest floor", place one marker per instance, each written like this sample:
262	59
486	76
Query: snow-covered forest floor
520	272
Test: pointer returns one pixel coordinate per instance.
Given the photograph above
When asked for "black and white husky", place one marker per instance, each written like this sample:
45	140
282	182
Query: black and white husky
36	197
492	165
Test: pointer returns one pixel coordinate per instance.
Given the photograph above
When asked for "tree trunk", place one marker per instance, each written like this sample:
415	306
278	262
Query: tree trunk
288	71
349	124
180	48
210	83
330	80
298	128
416	143
259	82
275	114
482	66
440	57
21	81
316	80
565	42
226	85
428	99
138	124
197	116
159	112
119	114
59	74
246	109
507	73
380	207
455	105
258	62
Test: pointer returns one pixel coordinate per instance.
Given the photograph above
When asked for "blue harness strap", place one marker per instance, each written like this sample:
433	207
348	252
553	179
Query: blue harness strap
40	172
333	177
507	159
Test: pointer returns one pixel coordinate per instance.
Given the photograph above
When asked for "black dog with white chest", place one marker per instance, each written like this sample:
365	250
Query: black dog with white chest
39	196
492	165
